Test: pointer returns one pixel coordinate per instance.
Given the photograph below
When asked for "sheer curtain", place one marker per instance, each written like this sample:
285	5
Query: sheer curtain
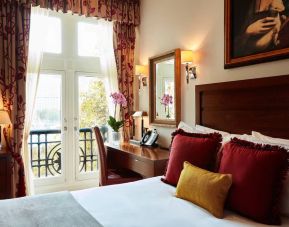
107	57
36	45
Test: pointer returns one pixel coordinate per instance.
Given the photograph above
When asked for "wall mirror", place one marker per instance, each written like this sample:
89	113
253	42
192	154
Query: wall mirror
165	88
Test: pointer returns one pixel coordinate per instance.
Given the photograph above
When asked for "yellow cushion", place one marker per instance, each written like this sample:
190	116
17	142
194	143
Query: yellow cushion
203	188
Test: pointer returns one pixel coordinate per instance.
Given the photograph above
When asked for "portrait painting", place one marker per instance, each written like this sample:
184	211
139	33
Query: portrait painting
256	31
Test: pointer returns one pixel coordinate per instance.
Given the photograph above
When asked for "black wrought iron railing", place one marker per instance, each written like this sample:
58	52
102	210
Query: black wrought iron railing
87	155
46	154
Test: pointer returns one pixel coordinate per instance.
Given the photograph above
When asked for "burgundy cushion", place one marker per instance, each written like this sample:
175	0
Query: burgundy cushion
258	172
198	149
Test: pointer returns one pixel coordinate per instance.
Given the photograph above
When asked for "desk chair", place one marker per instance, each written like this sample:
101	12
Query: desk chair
111	176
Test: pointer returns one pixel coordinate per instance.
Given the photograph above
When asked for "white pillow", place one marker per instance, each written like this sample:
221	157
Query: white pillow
282	143
246	137
253	139
211	130
269	139
187	128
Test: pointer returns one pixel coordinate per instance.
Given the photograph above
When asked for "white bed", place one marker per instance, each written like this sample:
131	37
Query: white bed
150	203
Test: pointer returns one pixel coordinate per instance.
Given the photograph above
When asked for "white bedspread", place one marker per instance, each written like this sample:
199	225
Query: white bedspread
151	203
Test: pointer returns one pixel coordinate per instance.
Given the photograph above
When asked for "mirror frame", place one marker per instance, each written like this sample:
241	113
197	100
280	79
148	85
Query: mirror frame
176	54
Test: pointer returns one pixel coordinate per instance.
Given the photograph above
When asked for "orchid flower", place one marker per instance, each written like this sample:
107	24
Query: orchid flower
167	99
117	98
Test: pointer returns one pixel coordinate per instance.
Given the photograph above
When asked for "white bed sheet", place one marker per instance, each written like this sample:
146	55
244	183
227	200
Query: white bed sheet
151	203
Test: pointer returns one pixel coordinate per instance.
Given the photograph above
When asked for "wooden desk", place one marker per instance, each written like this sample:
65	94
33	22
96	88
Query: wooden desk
147	161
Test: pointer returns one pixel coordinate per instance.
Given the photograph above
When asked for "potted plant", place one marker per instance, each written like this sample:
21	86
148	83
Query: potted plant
117	98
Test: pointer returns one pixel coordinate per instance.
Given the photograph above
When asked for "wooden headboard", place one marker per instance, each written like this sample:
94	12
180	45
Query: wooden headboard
242	106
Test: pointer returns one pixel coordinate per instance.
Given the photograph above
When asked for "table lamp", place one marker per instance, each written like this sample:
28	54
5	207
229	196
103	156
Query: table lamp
141	114
4	120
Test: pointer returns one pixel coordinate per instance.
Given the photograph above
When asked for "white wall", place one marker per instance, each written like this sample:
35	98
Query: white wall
192	25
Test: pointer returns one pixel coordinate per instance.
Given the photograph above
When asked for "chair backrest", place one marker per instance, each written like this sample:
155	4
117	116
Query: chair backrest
102	161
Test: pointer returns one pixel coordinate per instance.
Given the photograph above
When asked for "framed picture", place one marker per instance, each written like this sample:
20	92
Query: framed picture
256	31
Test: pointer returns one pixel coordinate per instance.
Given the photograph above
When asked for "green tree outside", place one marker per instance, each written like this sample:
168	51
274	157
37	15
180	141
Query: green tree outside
93	111
93	105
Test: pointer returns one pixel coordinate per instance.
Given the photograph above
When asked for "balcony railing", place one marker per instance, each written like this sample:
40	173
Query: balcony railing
45	151
87	155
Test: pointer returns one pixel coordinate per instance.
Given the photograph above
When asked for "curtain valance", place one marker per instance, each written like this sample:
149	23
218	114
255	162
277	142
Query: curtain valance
123	11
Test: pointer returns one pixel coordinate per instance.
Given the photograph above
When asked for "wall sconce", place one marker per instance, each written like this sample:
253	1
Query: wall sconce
187	59
140	72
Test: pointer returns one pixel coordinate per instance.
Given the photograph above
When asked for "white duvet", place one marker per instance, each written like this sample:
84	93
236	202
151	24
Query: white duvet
151	203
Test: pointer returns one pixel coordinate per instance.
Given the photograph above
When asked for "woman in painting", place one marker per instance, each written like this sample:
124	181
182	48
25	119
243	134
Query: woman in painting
260	26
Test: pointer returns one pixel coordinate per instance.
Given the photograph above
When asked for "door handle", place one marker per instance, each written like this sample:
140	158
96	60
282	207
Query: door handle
65	127
75	128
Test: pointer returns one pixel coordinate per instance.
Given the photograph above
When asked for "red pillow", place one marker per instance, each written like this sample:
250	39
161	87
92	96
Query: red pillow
198	149
258	172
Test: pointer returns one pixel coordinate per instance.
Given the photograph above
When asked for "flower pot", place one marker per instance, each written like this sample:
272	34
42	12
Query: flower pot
115	138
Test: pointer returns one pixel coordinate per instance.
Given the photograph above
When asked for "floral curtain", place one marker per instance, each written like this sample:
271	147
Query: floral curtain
124	45
14	36
124	11
14	39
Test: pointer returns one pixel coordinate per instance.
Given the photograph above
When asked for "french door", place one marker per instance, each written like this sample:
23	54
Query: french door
62	143
90	109
71	99
48	134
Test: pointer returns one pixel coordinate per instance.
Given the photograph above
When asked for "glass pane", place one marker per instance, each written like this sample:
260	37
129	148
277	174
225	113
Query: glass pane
45	133
53	35
165	87
88	39
51	41
93	110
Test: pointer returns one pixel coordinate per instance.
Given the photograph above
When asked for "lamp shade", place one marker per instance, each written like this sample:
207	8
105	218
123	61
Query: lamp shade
187	56
139	70
140	114
4	118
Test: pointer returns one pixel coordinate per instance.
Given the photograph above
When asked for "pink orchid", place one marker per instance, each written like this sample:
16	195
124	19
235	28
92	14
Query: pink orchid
167	99
118	98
